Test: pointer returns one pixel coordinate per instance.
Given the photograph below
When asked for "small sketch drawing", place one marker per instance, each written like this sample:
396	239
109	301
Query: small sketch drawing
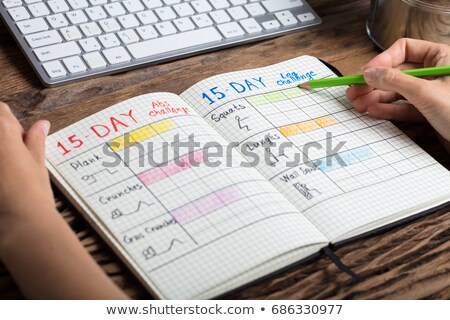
306	191
117	213
150	252
273	158
241	126
91	179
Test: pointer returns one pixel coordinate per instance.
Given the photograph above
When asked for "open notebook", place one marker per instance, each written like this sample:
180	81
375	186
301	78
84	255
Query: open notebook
201	221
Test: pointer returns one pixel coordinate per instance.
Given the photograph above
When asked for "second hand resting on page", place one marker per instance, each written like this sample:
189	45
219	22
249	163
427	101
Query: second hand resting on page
393	95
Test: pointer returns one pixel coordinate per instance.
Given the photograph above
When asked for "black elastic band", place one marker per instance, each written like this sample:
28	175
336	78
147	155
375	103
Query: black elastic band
329	252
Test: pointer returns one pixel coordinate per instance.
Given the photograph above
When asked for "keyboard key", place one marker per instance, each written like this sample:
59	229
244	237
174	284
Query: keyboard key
231	30
251	26
54	69
94	60
220	4
57	51
255	9
31	26
165	13
90	29
109	40
306	17
147	32
116	55
38	10
152	4
74	64
220	16
45	38
202	20
133	6
115	9
77	17
147	17
201	6
71	33
90	44
58	6
288	21
283	14
184	9
96	13
166	28
19	14
238	13
128	21
279	5
109	25
12	3
57	21
184	24
271	25
128	36
78	4
174	42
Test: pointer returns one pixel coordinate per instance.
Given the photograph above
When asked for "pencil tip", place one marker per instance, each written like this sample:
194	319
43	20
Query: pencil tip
305	86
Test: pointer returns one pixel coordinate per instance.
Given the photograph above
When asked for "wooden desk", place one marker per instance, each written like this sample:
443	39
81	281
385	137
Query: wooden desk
412	261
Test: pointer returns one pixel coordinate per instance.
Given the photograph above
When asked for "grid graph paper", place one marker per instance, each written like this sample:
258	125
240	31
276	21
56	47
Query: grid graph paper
344	170
191	230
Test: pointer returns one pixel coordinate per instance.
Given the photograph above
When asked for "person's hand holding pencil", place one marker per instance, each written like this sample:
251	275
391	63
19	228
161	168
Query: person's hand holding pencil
387	87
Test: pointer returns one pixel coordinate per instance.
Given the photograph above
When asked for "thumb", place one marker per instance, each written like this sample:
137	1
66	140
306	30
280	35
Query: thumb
35	139
417	91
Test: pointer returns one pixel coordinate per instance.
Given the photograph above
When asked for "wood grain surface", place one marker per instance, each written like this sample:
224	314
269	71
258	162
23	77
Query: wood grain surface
409	262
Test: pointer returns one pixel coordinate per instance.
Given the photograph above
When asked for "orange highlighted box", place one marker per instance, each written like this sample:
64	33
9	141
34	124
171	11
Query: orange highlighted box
308	126
326	121
290	131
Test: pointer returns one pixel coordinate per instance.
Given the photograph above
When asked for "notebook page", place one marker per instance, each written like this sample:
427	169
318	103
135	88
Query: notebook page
186	227
348	173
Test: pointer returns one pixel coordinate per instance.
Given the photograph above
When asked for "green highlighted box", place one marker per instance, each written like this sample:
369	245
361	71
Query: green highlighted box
257	100
275	96
293	93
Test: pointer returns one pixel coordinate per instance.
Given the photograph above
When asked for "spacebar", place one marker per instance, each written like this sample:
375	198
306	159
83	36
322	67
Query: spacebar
174	42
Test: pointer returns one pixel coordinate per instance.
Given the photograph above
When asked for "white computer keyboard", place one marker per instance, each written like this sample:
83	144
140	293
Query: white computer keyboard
68	40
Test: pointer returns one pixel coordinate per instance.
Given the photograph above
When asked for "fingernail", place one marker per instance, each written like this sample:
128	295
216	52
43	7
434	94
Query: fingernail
371	75
46	127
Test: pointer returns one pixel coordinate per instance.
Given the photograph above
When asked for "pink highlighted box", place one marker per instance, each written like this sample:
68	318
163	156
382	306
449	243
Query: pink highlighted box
207	204
172	168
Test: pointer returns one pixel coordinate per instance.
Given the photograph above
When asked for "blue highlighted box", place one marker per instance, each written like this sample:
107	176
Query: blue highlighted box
346	158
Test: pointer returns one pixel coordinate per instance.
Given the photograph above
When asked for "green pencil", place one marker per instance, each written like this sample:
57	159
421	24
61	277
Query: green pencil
345	81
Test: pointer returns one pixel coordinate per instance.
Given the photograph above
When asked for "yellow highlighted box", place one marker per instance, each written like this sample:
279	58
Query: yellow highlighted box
163	126
141	134
290	131
326	121
122	142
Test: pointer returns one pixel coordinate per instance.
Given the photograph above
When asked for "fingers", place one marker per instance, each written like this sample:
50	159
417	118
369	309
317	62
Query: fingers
400	112
35	140
358	90
406	50
418	92
376	96
9	124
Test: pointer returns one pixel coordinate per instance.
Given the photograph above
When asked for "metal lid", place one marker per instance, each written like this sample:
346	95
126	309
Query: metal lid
434	6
